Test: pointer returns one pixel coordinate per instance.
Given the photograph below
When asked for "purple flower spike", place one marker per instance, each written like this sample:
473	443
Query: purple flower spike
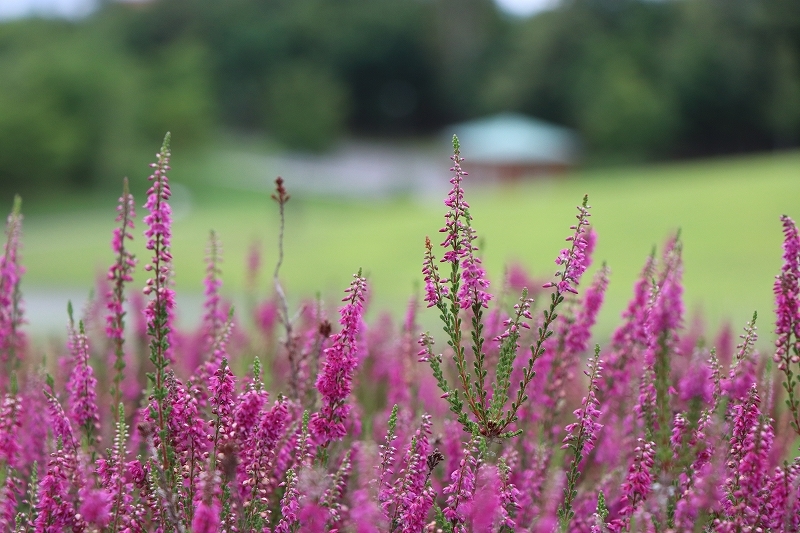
582	435
11	340
459	243
206	518
119	274
577	339
787	295
81	387
335	380
290	505
461	489
574	260
637	485
10	425
434	290
160	309
214	317
458	218
121	271
666	312
787	311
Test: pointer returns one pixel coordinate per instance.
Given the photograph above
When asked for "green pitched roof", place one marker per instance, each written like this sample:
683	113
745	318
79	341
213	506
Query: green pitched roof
511	138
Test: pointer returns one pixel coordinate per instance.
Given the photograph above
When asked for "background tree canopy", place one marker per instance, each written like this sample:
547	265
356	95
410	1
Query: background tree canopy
637	78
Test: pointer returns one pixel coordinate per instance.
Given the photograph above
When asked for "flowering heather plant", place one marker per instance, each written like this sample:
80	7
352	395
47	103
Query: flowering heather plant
672	435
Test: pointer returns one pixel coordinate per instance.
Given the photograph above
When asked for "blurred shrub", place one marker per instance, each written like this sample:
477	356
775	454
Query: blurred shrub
306	106
620	111
74	107
660	79
62	105
177	95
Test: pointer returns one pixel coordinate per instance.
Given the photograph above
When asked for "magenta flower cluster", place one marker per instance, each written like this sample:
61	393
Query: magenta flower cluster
272	421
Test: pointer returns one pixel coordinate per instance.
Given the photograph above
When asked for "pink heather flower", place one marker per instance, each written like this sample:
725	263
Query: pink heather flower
696	383
582	435
222	388
474	284
266	316
387	453
458	217
702	492
631	337
121	271
413	494
11	339
82	399
10	425
578	335
680	430
459	241
206	517
290	504
434	290
333	498
461	489
666	311
160	309
747	466
646	405
335	380
214	317
486	507
531	486
742	374
246	415
782	497
509	497
637	485
55	508
258	452
188	432
573	260
365	515
95	506
62	429
787	297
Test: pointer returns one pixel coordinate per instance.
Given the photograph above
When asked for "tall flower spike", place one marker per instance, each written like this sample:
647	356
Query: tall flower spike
335	380
11	339
10	425
159	310
461	489
82	387
214	317
434	290
581	438
159	239
637	485
119	274
787	311
459	241
573	260
457	218
578	335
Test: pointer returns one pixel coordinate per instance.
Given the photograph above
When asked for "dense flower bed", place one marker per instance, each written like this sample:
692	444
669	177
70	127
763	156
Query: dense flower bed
374	428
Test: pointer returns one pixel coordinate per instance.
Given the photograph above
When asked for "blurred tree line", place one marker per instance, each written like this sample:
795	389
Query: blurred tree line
637	78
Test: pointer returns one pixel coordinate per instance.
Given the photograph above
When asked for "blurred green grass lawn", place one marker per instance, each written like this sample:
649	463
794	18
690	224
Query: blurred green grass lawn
728	211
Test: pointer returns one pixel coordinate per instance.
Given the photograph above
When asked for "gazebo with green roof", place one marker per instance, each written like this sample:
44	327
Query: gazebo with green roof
510	146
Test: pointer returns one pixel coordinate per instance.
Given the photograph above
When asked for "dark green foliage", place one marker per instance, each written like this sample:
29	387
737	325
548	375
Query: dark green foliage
74	105
635	78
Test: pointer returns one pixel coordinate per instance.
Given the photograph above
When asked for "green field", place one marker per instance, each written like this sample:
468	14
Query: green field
727	210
